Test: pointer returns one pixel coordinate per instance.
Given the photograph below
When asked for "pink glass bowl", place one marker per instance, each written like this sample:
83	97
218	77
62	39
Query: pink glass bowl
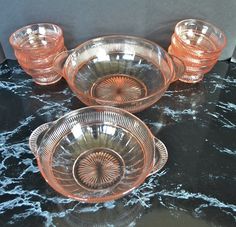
122	71
35	47
96	154
198	44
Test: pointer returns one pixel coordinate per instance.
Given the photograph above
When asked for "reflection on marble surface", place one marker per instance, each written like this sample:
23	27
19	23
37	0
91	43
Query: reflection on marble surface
196	188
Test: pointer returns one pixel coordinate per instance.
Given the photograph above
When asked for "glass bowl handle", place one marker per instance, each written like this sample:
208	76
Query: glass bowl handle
36	137
161	156
179	68
60	60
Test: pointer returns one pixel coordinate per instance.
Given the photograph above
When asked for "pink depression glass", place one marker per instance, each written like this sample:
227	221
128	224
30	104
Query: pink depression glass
35	47
198	44
128	72
96	154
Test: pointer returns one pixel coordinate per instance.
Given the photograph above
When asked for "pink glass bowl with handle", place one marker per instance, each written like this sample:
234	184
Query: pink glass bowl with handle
96	154
128	72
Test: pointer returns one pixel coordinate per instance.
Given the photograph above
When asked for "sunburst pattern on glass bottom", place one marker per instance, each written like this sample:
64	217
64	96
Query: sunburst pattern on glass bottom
118	88
98	169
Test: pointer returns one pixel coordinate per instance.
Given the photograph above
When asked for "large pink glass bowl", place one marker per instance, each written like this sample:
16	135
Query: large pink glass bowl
128	72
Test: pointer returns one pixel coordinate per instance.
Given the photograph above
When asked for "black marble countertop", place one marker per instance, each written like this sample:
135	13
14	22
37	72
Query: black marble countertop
197	187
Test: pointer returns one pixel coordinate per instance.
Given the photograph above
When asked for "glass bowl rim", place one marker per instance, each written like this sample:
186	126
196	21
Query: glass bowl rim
59	29
176	33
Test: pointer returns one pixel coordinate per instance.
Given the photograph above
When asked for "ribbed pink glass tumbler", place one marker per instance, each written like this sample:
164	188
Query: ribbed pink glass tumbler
198	44
35	47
